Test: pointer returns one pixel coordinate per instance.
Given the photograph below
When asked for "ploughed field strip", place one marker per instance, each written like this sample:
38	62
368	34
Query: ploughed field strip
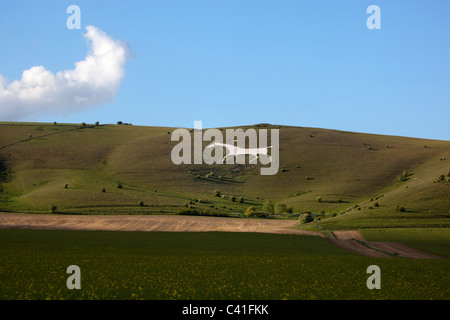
348	240
148	223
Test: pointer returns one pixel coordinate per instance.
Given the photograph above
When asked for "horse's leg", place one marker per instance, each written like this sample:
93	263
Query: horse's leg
226	157
256	158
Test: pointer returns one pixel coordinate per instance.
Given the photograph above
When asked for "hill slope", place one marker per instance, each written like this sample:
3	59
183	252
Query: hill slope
344	169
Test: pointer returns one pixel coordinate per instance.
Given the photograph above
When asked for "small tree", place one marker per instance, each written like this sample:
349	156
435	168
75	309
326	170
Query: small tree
54	208
251	211
268	207
97	123
306	218
54	123
290	210
280	208
119	123
66	186
217	193
83	124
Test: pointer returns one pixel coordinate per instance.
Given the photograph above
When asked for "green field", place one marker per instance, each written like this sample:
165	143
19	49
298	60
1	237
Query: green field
141	265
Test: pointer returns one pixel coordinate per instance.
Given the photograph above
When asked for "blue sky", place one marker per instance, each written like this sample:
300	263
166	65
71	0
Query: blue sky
240	62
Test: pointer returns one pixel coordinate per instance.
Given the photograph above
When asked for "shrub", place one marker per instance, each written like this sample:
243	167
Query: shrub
97	123
141	203
250	211
404	176
103	190
54	208
376	204
66	186
319	199
54	123
119	123
280	208
83	124
268	207
241	199
306	218
233	199
119	186
400	209
188	212
217	193
290	210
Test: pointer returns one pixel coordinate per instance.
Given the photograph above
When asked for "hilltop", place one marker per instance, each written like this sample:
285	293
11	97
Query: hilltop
344	179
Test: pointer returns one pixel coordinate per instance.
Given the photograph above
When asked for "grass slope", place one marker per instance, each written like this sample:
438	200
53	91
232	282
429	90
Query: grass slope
345	169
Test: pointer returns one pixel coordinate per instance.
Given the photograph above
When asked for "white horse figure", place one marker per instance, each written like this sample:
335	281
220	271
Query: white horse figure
236	151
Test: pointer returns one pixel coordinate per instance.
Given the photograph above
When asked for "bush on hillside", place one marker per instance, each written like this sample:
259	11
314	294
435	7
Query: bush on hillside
251	212
306	218
268	207
280	208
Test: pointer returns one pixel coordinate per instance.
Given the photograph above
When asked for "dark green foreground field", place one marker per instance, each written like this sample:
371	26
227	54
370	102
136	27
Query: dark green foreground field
143	265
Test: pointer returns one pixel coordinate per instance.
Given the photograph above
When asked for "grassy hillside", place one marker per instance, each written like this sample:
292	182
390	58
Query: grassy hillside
360	178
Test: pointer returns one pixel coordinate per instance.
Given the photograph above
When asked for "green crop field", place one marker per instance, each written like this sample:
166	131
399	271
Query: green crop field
142	265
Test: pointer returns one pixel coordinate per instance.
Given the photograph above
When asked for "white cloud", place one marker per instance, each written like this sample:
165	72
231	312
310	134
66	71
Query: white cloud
93	82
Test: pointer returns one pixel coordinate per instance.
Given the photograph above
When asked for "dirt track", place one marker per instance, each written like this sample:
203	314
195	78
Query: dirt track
344	239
